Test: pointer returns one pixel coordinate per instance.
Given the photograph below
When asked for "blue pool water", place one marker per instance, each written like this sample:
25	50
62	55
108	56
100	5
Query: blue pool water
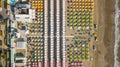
12	1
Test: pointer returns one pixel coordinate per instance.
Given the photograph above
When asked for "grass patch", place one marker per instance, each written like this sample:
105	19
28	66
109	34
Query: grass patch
19	55
0	3
119	4
0	32
5	4
0	42
19	61
4	23
6	32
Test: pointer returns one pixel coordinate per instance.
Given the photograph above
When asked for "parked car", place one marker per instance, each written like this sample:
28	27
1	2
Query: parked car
94	47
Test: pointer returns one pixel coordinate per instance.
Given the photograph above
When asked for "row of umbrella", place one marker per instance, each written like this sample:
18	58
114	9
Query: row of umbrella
76	64
81	21
80	17
39	13
35	24
78	24
81	4
79	9
80	13
37	43
81	27
80	46
81	40
36	30
37	40
82	1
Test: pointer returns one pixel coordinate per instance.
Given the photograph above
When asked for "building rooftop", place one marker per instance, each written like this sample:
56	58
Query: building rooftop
21	44
23	12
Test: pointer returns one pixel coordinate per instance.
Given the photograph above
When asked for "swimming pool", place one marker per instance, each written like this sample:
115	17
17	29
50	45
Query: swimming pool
12	1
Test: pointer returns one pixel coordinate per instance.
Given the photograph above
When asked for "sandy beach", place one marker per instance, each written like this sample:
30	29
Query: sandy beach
104	17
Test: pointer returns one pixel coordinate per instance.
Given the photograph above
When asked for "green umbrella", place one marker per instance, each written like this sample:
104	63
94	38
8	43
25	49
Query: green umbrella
87	46
75	59
87	13
91	17
83	57
91	25
79	24
79	45
71	49
74	21
70	21
79	17
87	53
79	48
82	48
91	13
74	17
71	17
83	53
87	58
70	13
74	27
74	13
83	16
87	49
70	60
83	13
70	24
83	20
79	13
79	20
83	24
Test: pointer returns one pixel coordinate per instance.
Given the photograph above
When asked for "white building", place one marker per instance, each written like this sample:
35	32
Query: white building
21	44
24	13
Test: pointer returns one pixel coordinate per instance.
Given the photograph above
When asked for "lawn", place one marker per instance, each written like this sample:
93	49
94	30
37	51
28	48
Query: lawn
5	4
6	32
119	4
0	42
19	61
4	22
0	32
0	3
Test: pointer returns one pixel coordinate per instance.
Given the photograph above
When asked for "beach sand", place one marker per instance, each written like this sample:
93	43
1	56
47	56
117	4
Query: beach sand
104	17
